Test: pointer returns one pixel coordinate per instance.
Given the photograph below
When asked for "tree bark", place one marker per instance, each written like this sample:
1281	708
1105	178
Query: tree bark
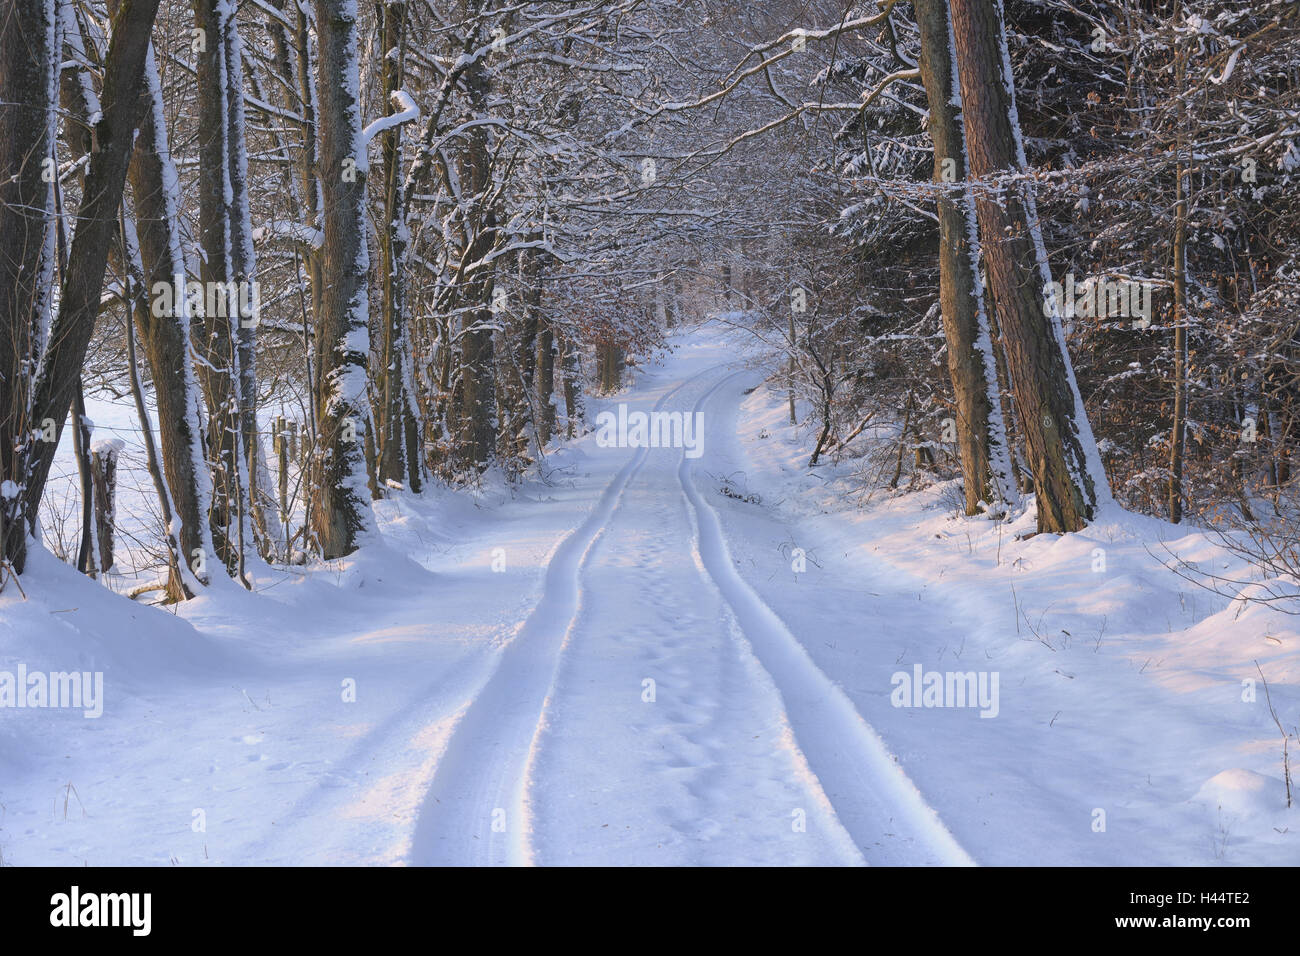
74	325
1178	428
29	57
477	361
253	488
544	382
103	469
219	370
81	437
1067	476
981	436
569	365
390	377
340	515
166	328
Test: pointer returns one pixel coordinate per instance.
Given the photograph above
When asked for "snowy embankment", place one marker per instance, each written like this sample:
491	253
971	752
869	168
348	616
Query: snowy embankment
620	662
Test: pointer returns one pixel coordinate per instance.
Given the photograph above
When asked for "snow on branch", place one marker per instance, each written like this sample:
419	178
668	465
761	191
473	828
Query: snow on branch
294	231
408	111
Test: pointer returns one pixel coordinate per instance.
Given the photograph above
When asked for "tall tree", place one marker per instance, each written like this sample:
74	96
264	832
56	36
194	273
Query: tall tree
341	509
165	324
981	433
97	218
478	235
1068	479
245	307
218	238
396	415
29	55
1178	428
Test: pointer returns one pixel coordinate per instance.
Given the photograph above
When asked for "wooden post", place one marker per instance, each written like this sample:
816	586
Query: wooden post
789	369
569	365
103	470
81	431
281	444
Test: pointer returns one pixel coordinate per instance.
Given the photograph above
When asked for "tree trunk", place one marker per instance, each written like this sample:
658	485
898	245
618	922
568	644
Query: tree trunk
217	341
176	587
477	361
569	364
81	437
1062	455
340	514
254	491
544	382
29	58
981	435
391	381
789	370
1178	428
97	217
517	347
283	451
166	331
529	351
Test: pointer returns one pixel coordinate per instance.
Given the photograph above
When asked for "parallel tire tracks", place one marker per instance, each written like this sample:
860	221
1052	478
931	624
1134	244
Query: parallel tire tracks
873	798
475	812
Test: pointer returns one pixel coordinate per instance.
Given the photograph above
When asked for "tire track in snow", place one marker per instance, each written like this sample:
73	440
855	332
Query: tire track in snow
475	812
872	797
708	775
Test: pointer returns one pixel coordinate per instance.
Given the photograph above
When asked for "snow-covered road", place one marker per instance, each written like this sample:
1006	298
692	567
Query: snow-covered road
667	655
654	709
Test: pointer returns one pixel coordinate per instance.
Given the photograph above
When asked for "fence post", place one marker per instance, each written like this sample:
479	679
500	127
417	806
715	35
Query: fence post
281	442
103	475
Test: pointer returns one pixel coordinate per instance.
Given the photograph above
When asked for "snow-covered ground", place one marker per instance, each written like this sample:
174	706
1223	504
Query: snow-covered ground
643	657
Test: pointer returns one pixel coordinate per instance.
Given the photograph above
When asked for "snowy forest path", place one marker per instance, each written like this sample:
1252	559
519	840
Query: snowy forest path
664	741
653	706
873	798
474	812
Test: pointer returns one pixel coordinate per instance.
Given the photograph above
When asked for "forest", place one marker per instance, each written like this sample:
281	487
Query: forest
283	280
402	241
